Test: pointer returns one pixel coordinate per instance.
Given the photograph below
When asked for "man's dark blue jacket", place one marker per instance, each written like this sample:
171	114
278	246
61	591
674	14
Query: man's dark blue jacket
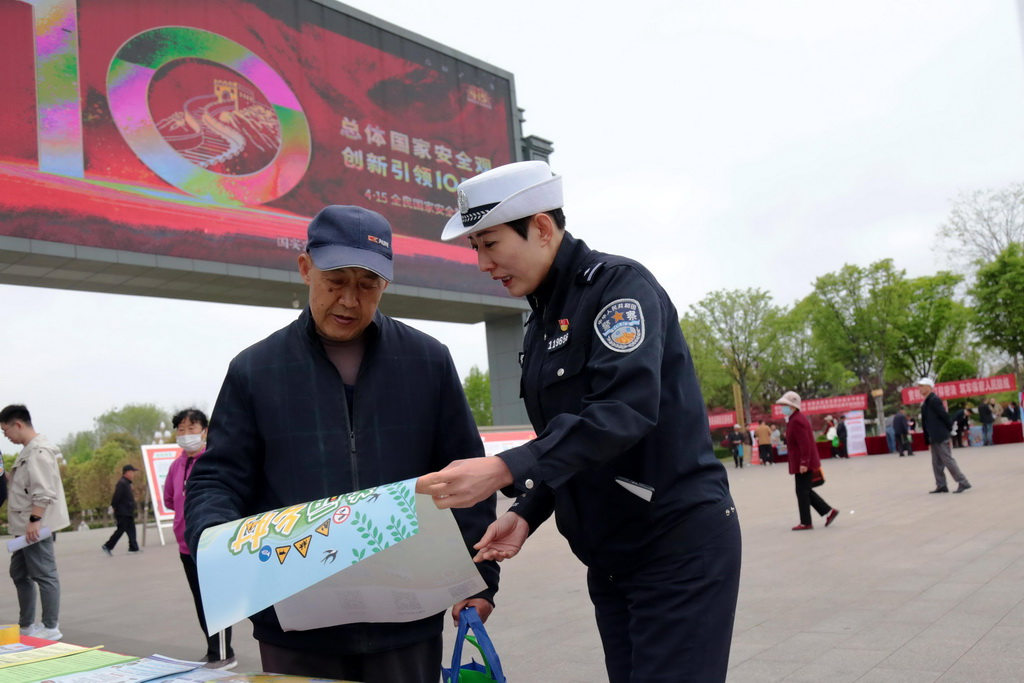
935	420
280	435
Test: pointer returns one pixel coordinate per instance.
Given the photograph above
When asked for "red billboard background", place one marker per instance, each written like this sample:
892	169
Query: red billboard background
216	130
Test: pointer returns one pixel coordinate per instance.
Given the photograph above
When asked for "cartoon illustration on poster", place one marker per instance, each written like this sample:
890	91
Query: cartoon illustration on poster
379	555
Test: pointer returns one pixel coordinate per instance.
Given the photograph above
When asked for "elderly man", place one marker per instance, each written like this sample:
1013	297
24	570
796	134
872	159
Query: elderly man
623	455
123	504
937	429
340	400
36	502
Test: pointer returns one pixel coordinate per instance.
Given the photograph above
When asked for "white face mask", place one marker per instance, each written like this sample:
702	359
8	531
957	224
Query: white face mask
787	410
190	443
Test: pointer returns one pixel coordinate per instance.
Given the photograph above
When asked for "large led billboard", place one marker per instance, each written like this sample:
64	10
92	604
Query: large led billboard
215	130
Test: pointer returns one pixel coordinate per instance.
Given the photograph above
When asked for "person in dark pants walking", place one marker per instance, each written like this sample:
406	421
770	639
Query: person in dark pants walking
987	419
901	429
735	441
803	462
123	503
841	434
937	428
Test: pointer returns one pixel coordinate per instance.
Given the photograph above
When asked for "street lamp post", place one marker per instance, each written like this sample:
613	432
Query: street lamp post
163	434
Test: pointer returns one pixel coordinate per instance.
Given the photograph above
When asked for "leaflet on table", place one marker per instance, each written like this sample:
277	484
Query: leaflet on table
378	555
37	654
196	676
85	660
153	668
19	542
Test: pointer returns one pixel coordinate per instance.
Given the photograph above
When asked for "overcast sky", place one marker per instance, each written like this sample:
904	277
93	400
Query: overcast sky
724	144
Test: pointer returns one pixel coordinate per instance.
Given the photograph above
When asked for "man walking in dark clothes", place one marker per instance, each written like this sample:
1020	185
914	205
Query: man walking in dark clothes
123	503
937	428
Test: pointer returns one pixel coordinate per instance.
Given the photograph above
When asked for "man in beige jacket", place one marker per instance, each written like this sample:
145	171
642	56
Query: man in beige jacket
36	509
764	443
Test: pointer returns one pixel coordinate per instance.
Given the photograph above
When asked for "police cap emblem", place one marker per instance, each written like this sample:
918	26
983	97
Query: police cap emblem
620	325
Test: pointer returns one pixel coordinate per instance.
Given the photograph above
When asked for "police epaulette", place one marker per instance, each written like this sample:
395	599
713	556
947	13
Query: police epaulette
589	274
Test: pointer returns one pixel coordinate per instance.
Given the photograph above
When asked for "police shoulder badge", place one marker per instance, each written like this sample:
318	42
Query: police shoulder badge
620	325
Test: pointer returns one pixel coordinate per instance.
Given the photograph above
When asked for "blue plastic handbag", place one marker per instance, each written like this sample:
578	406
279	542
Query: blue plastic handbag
473	672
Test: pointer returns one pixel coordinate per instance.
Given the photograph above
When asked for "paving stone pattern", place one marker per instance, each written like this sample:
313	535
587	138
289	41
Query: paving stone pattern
903	587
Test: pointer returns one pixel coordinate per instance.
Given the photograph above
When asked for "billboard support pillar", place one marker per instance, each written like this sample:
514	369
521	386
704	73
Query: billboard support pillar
504	343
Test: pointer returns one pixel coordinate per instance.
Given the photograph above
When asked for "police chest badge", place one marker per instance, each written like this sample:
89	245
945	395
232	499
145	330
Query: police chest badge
620	325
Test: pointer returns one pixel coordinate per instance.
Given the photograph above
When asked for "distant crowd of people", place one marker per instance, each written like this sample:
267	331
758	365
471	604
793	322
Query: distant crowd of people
941	432
770	441
986	414
899	428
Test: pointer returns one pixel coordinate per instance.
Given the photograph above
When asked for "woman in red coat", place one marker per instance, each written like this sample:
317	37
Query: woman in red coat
803	461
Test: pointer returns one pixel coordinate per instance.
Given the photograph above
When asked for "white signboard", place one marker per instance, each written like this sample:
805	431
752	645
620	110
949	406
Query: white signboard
157	459
855	443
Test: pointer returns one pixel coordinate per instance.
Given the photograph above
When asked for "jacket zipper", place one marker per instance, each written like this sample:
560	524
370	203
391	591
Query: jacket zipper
352	455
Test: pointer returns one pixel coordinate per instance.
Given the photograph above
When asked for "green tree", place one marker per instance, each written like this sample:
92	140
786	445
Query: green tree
931	329
478	392
998	294
855	316
715	380
79	447
140	420
801	363
957	368
94	480
740	326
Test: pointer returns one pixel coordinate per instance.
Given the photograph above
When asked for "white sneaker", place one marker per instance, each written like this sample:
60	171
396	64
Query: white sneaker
49	633
30	630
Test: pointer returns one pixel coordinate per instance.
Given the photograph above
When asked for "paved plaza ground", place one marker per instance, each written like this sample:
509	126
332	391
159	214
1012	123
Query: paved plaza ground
904	586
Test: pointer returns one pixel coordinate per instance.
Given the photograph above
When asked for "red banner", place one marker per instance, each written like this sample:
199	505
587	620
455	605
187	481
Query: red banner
833	404
722	420
963	388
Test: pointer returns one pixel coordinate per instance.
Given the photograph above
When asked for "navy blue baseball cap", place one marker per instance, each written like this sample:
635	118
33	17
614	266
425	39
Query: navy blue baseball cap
351	237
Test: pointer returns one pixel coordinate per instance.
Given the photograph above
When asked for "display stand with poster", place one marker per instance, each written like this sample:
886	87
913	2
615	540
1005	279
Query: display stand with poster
855	433
157	459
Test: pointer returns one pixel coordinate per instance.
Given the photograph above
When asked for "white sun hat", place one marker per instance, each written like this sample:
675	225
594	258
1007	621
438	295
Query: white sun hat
504	194
926	380
791	399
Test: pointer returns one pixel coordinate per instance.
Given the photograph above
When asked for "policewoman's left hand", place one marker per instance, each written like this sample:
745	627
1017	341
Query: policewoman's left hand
464	483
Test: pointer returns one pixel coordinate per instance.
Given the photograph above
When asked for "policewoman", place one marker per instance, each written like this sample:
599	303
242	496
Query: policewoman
623	454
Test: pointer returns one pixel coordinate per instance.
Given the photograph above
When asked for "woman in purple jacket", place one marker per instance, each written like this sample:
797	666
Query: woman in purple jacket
191	425
803	461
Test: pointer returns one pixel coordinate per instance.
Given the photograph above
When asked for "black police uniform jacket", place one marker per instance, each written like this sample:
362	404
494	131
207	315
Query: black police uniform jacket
623	453
280	435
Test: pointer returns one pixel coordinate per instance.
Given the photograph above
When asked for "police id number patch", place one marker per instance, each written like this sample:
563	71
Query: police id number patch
620	325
